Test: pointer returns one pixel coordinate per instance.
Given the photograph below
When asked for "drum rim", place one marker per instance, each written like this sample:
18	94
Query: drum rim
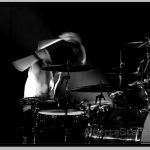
55	112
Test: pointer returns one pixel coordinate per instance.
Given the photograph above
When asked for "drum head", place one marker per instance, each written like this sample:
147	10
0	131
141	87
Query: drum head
61	112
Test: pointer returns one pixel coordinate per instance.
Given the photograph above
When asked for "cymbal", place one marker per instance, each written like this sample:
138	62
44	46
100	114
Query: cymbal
61	112
95	88
117	71
140	44
69	68
135	44
47	101
145	44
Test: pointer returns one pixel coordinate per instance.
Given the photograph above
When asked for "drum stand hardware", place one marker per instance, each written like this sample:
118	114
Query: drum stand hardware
147	57
145	70
35	109
67	99
99	98
34	102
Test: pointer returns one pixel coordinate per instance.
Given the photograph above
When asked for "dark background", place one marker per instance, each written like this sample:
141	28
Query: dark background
105	28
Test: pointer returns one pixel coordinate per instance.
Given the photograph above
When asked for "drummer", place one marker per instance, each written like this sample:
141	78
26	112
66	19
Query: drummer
41	83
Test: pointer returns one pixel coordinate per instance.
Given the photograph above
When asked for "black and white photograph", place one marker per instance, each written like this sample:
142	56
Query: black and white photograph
74	73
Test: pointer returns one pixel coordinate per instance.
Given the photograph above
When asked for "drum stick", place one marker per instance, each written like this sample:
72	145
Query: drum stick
24	63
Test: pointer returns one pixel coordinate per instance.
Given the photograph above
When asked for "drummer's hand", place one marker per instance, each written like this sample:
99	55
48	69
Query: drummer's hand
43	55
70	37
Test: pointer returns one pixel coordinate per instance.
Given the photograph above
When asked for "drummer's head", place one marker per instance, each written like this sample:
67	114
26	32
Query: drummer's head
74	53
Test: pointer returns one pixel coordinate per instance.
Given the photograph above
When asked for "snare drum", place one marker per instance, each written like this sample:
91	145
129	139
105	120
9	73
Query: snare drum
52	125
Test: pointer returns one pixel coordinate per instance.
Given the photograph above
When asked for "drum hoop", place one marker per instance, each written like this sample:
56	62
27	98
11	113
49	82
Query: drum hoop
52	113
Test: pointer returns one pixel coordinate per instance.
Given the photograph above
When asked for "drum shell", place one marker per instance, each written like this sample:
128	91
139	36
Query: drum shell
99	113
135	97
52	128
119	125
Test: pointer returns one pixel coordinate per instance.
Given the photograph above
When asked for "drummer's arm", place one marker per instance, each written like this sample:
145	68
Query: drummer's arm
26	62
57	77
41	56
54	83
33	71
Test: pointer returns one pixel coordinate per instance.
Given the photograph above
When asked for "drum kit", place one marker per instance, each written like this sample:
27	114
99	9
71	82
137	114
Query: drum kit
125	121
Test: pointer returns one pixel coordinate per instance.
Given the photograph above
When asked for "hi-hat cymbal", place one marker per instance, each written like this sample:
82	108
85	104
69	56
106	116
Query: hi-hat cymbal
47	101
135	44
145	44
118	71
127	74
95	88
140	44
69	68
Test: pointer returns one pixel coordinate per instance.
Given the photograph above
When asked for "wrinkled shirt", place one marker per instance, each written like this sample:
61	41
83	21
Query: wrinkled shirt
41	83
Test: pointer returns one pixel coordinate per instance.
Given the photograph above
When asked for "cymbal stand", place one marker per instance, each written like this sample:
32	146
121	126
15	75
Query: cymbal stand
35	109
121	65
67	93
146	72
99	98
67	98
100	109
99	113
147	58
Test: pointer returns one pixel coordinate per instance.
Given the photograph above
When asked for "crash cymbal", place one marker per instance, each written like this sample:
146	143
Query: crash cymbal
69	68
95	88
